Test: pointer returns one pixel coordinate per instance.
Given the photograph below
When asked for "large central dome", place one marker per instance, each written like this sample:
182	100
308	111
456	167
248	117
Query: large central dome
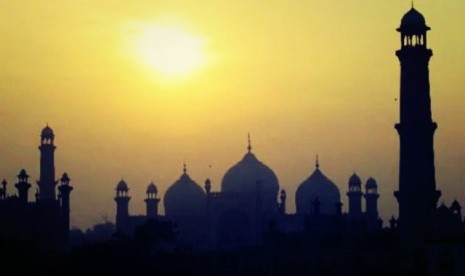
250	176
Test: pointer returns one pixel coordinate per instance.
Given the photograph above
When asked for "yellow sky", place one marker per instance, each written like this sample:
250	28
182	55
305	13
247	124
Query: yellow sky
304	77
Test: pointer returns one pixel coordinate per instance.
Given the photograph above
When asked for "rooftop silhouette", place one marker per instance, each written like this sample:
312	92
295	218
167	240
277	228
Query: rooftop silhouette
244	228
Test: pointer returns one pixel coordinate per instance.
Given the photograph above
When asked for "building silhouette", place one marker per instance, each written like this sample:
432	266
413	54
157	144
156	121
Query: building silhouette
250	202
417	194
245	229
250	208
44	223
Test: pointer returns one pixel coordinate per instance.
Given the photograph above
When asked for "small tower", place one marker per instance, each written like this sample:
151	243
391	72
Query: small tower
282	203
47	181
456	209
151	202
122	206
371	200
355	196
23	186
65	190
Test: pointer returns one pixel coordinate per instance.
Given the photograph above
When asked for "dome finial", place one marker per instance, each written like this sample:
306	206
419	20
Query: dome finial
184	169
317	163
249	146
413	6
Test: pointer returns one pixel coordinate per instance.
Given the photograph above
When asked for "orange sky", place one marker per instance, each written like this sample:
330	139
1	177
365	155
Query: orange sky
303	77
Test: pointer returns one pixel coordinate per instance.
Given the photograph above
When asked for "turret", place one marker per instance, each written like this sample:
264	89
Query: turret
355	196
122	206
47	181
152	201
64	191
371	199
23	186
456	209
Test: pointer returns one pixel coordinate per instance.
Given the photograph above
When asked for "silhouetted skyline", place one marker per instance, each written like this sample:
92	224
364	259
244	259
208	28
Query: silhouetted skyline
243	225
296	76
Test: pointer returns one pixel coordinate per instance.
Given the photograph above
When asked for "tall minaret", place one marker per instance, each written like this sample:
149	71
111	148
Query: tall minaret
47	181
122	206
355	196
417	195
152	201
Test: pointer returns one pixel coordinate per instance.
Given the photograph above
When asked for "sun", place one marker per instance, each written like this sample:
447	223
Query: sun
170	51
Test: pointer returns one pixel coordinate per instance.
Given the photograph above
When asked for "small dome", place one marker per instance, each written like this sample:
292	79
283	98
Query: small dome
122	186
455	205
23	174
47	132
65	178
152	189
413	22
243	177
317	186
443	209
184	198
354	180
371	183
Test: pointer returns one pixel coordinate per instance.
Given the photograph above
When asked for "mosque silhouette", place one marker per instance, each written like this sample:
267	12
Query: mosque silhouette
249	201
45	222
248	217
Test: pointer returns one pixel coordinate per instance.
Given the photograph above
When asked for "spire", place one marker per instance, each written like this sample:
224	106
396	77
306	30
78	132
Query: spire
249	146
317	163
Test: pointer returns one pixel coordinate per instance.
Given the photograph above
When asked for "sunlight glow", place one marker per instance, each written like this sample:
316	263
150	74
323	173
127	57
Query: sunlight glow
171	52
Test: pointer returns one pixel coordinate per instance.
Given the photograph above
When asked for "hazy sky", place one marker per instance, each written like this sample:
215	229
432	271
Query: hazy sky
304	77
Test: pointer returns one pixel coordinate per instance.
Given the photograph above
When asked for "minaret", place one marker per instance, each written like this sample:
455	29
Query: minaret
47	181
371	200
355	196
23	186
65	189
152	201
417	195
122	205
